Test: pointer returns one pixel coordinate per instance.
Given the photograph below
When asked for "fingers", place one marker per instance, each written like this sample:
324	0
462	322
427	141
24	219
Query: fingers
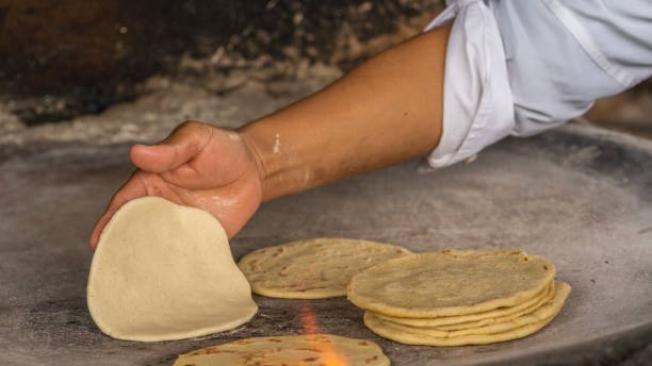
183	144
134	188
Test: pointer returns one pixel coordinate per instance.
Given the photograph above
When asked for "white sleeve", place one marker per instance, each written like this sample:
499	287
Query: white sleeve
521	67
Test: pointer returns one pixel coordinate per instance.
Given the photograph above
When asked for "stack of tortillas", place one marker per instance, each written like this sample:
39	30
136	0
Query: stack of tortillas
314	268
454	298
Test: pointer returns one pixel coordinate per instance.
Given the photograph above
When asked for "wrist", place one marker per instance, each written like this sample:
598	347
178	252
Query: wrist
263	144
254	151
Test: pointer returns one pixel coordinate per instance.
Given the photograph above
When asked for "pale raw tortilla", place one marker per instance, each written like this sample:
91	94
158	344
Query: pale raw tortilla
302	350
312	269
514	329
163	271
478	319
450	283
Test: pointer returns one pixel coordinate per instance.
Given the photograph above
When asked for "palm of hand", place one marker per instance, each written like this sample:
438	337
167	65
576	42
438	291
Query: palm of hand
199	166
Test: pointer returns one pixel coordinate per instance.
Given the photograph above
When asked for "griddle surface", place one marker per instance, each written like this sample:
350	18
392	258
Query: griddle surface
578	195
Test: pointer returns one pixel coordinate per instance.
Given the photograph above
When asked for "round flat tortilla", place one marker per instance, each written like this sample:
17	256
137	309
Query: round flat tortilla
513	329
313	269
163	271
450	283
302	350
550	293
550	308
479	319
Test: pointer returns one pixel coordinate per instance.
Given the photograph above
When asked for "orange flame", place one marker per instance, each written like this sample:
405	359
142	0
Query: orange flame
328	354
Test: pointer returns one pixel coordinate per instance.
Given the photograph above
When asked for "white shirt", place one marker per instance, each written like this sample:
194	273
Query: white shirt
519	67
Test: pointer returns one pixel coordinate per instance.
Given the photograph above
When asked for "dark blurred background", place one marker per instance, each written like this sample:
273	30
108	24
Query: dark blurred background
85	56
62	61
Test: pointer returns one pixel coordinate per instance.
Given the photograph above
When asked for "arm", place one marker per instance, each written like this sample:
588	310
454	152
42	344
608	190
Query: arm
386	111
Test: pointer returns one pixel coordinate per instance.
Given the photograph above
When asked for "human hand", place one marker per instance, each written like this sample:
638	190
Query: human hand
198	165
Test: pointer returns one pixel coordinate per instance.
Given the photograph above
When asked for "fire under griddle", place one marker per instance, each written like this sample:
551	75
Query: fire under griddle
579	195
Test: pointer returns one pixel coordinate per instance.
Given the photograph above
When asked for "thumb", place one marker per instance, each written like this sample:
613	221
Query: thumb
183	144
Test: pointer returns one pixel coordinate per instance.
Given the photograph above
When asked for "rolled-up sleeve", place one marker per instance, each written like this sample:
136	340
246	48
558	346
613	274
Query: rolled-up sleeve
521	67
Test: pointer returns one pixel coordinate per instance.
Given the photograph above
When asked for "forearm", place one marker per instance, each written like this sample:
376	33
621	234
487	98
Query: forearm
385	111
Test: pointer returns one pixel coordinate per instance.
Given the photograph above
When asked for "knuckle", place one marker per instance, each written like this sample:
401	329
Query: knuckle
121	195
189	126
118	198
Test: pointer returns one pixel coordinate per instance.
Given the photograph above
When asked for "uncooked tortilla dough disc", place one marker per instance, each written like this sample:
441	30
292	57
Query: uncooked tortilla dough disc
163	271
302	350
478	319
313	269
450	283
539	316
